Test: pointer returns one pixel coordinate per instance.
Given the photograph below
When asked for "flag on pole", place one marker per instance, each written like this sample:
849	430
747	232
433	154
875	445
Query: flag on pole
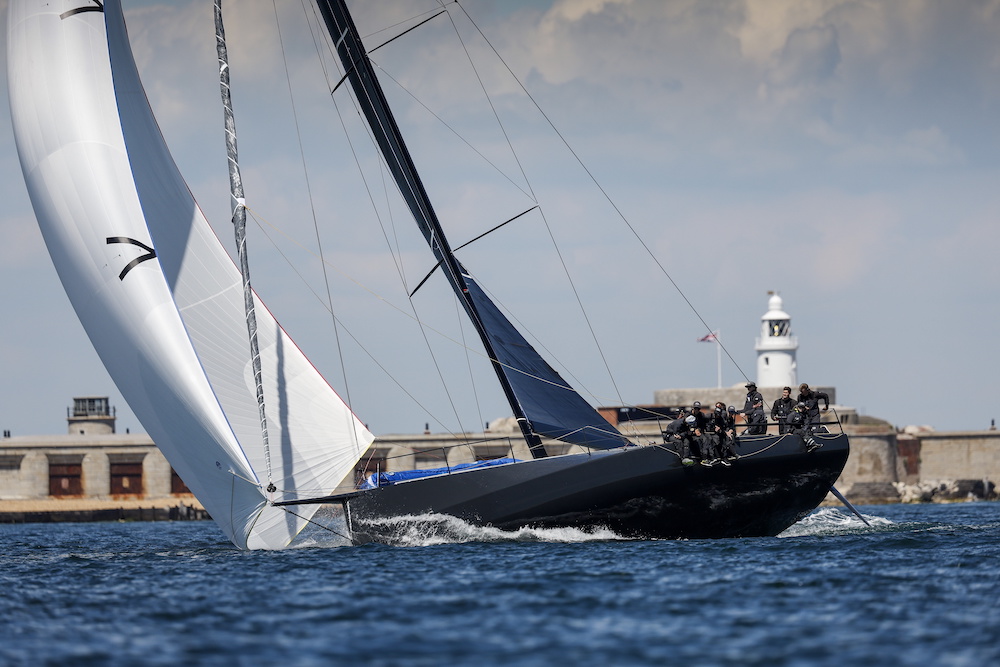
708	338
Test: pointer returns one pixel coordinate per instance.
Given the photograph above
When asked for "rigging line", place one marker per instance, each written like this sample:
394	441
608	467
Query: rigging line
496	115
490	231
261	221
586	318
580	386
538	342
312	33
399	310
422	324
315	221
350	142
368	459
239	228
357	341
396	258
397	261
441	120
437	367
392	225
534	198
599	187
396	254
399	23
413	306
438	264
410	29
411	185
468	360
338	534
355	338
430	350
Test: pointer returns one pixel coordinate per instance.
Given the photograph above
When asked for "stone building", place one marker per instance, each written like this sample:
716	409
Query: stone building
90	469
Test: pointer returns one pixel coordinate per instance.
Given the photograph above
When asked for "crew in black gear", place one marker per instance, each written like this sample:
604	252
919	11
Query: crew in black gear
811	399
701	419
781	408
679	433
720	426
753	409
796	420
798	424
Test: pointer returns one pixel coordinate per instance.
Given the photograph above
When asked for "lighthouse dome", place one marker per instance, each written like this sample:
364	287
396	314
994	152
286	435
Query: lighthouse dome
775	309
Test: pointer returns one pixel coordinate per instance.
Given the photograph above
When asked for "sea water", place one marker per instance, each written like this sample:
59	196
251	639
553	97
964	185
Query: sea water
920	586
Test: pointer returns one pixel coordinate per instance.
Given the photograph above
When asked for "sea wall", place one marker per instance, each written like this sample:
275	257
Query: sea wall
928	466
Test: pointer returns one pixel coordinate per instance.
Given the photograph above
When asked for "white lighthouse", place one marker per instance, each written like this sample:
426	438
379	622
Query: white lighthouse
776	347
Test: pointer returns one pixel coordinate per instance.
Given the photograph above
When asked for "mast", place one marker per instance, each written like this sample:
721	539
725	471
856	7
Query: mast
376	109
239	227
543	403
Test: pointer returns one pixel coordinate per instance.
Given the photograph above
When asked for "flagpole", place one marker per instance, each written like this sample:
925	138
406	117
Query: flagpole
714	336
718	358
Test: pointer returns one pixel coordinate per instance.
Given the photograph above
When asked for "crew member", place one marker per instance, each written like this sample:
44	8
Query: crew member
678	432
721	427
753	409
700	418
781	408
798	424
811	399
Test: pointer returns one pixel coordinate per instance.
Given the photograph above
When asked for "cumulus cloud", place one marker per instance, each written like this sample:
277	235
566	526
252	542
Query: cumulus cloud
809	59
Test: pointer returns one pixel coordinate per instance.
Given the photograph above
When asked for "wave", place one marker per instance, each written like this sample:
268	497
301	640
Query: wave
835	521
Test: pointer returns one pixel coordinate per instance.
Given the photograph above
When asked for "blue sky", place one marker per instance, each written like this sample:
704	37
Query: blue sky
842	153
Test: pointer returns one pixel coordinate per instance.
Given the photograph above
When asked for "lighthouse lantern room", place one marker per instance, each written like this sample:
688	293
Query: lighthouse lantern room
776	347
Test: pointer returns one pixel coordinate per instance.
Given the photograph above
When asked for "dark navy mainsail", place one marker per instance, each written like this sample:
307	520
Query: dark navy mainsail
543	403
554	409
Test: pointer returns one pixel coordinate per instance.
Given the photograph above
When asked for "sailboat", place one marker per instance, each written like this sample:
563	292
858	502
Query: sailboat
167	310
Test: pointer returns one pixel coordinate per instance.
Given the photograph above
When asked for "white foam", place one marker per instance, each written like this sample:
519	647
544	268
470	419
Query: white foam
833	521
430	529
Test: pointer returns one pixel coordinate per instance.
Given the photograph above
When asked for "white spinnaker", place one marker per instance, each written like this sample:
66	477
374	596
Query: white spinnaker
315	440
171	332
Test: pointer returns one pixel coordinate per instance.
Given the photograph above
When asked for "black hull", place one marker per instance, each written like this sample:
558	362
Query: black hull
640	492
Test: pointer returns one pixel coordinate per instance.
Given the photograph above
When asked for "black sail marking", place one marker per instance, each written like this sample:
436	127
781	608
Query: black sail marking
150	253
98	6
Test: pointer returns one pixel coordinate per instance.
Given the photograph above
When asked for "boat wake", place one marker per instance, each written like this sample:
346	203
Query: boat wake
329	529
434	529
430	529
835	521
